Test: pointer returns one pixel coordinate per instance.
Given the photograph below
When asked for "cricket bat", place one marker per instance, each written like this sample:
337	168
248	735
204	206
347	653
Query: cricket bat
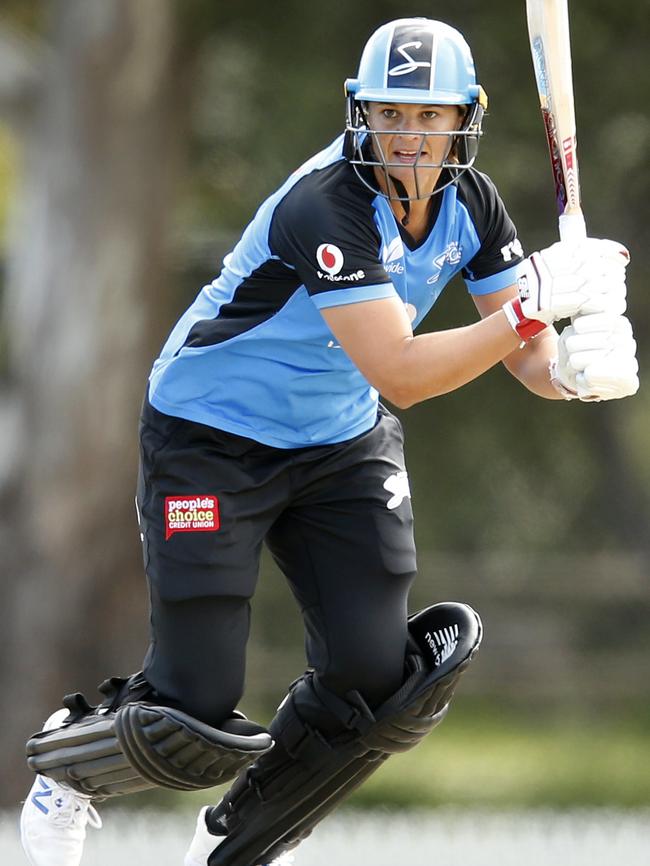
548	29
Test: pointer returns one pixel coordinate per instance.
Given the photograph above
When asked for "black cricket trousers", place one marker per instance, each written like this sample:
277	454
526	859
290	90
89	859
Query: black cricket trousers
337	520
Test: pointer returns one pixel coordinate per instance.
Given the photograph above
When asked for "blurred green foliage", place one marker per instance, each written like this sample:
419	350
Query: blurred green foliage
504	760
8	172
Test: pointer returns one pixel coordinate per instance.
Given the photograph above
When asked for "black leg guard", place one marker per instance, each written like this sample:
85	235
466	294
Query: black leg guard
277	802
129	743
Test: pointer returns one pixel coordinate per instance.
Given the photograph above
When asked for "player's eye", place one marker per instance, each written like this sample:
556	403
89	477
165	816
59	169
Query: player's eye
389	113
429	115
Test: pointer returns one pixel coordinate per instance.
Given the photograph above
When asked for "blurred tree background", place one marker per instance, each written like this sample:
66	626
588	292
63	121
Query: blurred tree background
136	141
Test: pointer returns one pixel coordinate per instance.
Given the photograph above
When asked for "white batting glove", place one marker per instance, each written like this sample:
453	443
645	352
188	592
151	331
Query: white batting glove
596	359
569	279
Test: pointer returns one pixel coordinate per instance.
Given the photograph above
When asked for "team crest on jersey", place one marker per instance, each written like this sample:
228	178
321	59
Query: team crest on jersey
452	255
191	514
329	258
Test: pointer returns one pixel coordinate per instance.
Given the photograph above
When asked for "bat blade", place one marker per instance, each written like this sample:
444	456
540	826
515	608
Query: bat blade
548	29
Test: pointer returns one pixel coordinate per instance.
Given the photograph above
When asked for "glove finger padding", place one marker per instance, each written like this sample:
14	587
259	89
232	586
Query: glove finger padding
570	256
591	256
609	378
597	359
607	250
593	337
604	297
568	279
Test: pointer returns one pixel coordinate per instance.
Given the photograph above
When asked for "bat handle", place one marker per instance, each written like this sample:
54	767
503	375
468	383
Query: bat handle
572	226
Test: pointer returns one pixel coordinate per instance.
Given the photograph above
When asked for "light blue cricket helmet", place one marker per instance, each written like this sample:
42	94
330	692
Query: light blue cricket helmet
422	62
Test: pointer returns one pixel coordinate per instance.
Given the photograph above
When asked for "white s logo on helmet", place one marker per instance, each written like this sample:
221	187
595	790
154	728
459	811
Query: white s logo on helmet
329	258
411	63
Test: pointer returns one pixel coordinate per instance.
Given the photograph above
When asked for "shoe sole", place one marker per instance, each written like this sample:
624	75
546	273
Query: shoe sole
23	840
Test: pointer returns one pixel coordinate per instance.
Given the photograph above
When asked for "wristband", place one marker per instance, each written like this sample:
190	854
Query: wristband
526	328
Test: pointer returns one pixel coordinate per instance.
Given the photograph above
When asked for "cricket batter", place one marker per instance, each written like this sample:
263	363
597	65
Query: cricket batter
262	424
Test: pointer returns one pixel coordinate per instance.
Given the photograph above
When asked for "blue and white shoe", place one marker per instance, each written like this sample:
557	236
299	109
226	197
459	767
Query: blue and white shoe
204	843
54	818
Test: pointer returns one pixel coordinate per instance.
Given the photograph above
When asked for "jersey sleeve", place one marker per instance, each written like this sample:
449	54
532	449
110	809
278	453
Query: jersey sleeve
497	264
332	243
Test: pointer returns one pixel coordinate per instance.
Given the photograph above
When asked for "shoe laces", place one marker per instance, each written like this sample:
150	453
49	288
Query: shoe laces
74	811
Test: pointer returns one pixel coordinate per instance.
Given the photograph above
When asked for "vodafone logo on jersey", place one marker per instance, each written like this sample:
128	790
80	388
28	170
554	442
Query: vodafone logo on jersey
330	261
329	258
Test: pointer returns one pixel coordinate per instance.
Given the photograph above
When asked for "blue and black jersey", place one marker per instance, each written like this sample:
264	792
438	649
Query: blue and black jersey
254	356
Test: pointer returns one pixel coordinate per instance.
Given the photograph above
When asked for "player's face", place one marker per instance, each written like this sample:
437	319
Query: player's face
400	141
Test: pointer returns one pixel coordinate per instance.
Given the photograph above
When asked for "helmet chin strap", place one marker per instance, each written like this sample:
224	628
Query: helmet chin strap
403	198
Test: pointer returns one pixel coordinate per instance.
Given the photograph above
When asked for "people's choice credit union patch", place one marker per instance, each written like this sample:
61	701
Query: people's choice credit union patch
191	514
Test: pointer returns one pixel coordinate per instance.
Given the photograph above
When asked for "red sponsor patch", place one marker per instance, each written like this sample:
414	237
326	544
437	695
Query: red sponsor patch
329	258
191	514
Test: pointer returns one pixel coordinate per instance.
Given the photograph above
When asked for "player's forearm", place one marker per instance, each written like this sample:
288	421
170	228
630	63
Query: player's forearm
530	365
433	364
